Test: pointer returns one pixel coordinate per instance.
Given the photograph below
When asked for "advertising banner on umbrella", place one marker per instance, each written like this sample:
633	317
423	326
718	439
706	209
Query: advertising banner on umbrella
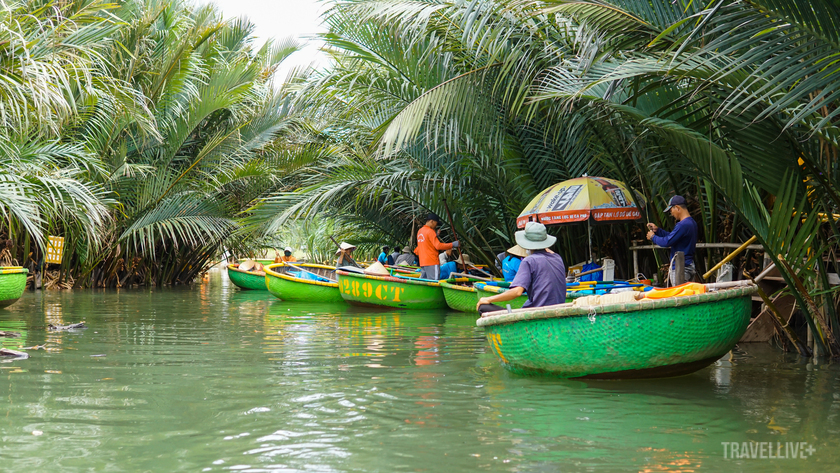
581	199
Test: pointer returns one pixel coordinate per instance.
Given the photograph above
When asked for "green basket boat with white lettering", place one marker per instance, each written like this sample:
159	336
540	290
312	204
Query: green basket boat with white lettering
246	279
390	291
644	339
12	284
289	283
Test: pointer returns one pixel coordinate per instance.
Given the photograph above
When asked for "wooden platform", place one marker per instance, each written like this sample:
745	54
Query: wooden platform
762	328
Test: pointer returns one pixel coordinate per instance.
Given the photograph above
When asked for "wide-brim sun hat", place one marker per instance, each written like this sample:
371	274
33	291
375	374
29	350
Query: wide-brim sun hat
465	258
406	249
517	250
534	237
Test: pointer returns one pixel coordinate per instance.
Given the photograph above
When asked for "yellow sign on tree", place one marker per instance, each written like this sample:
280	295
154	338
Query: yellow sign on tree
55	249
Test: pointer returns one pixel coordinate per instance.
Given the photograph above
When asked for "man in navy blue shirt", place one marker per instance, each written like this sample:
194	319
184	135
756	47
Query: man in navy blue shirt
682	238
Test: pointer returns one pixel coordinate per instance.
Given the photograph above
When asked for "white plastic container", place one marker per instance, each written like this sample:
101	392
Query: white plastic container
609	270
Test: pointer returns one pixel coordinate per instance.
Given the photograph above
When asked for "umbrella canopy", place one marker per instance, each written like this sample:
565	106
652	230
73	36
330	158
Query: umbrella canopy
584	199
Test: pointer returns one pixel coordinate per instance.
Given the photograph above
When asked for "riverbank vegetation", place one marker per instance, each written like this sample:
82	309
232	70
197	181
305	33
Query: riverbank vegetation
138	131
152	136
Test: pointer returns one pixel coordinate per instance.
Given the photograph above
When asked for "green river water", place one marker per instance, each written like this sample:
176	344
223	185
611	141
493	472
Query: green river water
210	378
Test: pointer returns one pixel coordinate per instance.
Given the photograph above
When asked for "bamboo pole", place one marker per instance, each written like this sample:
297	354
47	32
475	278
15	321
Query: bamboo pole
591	271
463	275
801	347
765	272
730	257
823	337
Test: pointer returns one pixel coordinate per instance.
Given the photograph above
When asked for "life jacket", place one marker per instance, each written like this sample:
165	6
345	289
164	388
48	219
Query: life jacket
687	289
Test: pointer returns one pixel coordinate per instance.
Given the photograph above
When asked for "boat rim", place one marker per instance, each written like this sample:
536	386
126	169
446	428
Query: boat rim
495	289
13	270
456	287
231	267
566	310
389	279
269	272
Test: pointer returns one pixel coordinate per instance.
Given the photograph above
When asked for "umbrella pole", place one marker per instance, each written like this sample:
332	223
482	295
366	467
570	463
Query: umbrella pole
589	232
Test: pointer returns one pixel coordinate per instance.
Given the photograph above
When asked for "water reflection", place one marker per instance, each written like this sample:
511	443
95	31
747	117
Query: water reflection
220	379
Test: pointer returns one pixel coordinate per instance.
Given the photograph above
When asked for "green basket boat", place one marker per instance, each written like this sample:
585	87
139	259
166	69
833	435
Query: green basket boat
486	290
644	339
389	291
246	279
264	262
288	287
12	284
460	298
465	298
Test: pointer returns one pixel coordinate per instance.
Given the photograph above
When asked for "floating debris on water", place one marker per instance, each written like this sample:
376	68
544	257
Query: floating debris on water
79	325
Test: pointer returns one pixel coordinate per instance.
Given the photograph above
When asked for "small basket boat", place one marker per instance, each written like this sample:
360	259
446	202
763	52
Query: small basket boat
643	339
246	279
488	290
460	298
12	284
465	298
390	291
289	283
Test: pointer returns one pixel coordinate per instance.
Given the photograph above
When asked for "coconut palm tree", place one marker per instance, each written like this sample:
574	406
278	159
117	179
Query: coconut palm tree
138	131
483	103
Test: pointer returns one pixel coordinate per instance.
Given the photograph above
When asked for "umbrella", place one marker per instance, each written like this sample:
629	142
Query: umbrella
584	199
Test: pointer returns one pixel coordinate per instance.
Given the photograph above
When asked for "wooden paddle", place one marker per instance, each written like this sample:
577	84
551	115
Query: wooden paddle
452	227
455	237
463	275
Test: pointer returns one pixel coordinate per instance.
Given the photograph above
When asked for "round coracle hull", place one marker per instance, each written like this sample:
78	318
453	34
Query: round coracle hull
247	280
488	291
649	338
12	284
292	289
387	291
460	298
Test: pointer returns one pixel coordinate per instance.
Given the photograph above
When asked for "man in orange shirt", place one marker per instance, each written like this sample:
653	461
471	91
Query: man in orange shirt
428	248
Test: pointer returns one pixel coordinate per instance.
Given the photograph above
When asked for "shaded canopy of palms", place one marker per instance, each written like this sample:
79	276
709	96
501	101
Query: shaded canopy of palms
138	131
481	104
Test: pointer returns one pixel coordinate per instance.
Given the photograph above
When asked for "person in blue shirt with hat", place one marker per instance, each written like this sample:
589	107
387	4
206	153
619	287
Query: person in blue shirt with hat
682	238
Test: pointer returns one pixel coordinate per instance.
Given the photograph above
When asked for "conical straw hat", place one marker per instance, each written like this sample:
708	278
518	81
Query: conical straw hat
376	269
517	251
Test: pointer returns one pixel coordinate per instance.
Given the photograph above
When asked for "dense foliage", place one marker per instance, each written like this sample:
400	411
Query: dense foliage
732	103
138	131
